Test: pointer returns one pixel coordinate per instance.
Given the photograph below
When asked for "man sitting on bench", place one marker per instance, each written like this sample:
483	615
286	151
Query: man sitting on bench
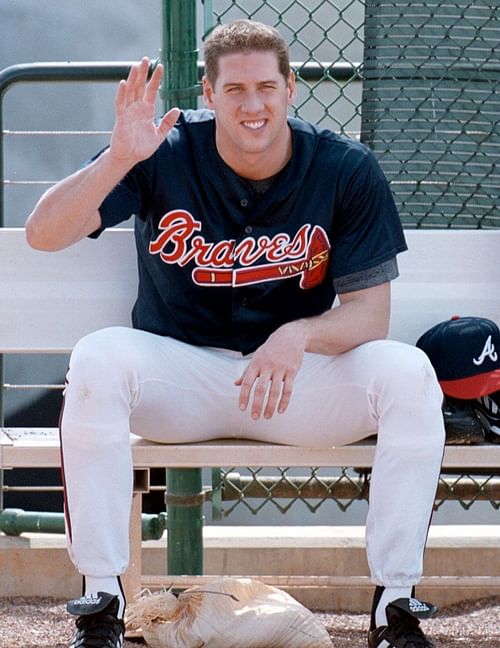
248	224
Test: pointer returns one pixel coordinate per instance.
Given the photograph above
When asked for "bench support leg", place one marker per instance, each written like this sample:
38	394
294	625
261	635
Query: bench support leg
184	500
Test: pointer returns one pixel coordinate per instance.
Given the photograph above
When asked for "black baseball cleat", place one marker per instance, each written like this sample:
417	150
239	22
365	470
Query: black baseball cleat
403	625
487	409
97	625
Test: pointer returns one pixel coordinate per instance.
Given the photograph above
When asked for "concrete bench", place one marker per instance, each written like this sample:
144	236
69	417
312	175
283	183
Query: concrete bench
50	300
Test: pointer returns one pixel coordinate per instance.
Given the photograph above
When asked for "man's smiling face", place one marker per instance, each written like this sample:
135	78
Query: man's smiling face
250	98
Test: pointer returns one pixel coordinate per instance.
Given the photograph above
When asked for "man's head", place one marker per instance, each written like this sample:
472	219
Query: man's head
244	36
249	86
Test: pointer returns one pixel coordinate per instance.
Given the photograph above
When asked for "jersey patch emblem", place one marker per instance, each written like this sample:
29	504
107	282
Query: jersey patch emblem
305	255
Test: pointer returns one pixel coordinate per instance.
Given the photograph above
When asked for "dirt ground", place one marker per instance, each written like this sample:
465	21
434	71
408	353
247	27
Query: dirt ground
43	623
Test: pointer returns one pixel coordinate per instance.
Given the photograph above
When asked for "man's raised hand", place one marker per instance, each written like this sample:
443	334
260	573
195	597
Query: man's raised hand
135	135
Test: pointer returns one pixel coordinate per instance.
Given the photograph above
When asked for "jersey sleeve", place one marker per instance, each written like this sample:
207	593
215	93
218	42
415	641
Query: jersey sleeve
127	199
367	228
379	274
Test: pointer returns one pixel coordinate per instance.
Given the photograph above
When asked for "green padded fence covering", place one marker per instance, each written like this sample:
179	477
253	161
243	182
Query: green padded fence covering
431	108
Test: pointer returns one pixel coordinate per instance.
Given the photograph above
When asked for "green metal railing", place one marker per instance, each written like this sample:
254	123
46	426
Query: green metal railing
13	522
184	494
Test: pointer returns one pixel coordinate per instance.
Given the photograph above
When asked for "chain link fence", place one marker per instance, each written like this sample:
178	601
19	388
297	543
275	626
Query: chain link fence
326	48
429	100
255	489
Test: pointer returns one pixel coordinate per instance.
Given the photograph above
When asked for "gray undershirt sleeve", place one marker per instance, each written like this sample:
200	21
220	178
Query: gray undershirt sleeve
379	274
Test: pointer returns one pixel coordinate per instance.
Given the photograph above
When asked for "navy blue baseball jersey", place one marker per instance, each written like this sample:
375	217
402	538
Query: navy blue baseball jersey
224	264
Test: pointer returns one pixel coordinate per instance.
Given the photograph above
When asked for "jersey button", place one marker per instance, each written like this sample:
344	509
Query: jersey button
244	301
243	202
248	229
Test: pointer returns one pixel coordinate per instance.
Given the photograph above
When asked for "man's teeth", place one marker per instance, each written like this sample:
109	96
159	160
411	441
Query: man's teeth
254	125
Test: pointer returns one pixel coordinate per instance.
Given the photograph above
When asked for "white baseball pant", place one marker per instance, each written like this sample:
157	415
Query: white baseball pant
123	380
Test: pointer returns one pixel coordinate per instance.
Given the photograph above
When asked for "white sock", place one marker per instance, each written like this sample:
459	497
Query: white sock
388	595
108	584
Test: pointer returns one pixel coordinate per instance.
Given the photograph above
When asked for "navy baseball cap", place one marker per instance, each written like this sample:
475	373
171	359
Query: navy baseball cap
465	352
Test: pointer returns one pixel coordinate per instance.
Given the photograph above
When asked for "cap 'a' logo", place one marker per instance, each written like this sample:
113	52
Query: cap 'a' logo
487	352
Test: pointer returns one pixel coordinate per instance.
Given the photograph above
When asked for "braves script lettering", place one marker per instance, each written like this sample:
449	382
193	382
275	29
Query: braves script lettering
178	242
487	352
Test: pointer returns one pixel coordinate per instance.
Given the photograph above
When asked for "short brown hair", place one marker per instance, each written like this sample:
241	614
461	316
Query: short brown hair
244	36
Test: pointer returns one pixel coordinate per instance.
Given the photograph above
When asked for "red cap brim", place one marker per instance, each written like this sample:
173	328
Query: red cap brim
472	387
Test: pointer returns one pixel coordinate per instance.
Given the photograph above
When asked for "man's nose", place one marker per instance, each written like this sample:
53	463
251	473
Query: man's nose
252	103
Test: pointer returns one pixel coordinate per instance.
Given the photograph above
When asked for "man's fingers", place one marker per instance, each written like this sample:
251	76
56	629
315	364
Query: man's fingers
153	85
279	395
142	76
286	394
120	97
136	81
272	398
130	84
268	390
245	385
168	121
259	394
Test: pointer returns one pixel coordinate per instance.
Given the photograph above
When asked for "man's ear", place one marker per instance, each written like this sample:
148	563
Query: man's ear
292	87
208	92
